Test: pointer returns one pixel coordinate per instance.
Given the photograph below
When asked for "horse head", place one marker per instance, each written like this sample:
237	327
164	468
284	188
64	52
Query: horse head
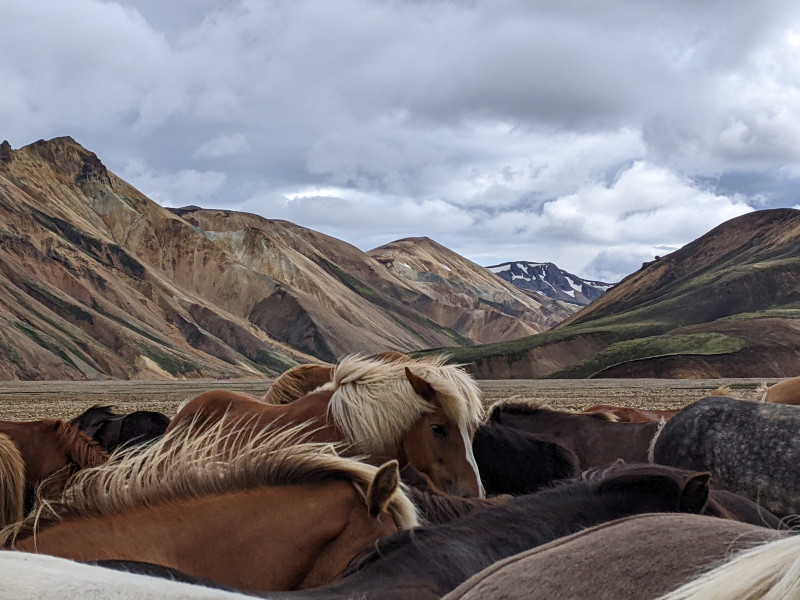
439	447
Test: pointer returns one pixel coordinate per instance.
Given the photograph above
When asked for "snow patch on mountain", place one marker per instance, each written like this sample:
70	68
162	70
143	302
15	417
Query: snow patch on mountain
548	279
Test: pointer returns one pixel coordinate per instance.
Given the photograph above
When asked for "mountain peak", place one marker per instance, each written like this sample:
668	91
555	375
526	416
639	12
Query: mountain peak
546	278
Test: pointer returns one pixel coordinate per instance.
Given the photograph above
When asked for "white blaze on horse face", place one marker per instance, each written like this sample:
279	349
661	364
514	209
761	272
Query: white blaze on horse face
472	462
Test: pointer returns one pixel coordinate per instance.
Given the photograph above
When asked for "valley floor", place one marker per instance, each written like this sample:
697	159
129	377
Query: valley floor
30	400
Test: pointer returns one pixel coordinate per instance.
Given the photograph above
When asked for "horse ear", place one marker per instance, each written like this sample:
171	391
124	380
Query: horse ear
421	387
383	486
694	494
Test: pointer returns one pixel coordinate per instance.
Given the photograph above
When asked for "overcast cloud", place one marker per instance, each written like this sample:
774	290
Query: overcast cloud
593	134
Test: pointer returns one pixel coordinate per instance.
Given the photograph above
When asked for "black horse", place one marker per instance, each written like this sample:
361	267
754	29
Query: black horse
112	430
512	461
752	448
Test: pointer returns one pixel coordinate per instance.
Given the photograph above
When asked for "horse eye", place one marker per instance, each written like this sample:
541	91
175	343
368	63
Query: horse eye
439	431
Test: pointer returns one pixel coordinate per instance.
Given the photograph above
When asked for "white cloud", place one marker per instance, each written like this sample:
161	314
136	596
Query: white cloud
224	145
507	129
182	188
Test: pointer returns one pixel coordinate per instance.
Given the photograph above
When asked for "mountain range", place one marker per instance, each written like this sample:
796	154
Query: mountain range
725	305
98	281
548	279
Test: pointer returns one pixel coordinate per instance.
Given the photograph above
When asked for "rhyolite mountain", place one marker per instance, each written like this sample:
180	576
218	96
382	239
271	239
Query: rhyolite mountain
724	305
97	281
548	279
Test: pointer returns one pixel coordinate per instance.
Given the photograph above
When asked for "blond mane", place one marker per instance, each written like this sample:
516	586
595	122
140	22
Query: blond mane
297	382
373	403
198	460
12	481
770	571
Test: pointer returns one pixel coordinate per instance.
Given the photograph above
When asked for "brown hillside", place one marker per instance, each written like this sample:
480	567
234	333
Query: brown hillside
97	281
465	296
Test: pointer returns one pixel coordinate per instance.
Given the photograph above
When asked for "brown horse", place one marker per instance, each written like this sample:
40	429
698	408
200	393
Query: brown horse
418	411
304	379
595	440
280	513
12	482
636	558
52	451
626	414
783	392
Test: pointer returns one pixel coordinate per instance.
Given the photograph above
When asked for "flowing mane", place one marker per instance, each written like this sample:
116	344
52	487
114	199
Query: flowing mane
373	402
196	460
12	481
79	447
297	382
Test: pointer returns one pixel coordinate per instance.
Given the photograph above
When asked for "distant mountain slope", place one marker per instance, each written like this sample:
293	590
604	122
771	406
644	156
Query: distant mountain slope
548	279
725	305
466	297
97	281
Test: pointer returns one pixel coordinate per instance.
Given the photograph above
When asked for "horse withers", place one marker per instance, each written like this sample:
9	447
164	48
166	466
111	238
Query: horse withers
421	412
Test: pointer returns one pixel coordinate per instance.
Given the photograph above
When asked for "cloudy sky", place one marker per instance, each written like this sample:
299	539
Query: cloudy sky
594	134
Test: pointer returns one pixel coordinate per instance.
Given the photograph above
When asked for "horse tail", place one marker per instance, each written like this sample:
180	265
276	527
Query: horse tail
79	447
12	482
605	415
762	390
723	390
651	449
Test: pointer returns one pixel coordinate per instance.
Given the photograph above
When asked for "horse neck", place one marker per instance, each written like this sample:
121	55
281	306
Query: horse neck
77	446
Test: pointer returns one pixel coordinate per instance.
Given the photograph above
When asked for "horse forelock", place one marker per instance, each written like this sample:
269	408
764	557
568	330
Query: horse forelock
373	403
201	459
81	448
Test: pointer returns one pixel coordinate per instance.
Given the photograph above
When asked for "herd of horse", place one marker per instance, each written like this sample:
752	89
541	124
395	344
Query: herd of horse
385	477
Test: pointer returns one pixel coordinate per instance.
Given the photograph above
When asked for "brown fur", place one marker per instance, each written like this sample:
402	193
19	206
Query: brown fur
783	392
12	482
297	382
626	414
52	450
635	558
279	513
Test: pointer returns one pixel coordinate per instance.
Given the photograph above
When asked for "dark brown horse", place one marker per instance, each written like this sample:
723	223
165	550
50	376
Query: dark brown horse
420	412
627	414
279	514
52	450
593	438
12	482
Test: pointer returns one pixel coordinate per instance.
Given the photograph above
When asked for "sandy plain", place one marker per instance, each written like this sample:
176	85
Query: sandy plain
29	400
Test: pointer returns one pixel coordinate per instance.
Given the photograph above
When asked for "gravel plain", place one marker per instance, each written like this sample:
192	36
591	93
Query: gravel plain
30	400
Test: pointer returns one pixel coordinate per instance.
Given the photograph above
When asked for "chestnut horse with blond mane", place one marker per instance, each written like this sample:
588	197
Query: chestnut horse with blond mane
304	379
421	412
52	450
278	513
